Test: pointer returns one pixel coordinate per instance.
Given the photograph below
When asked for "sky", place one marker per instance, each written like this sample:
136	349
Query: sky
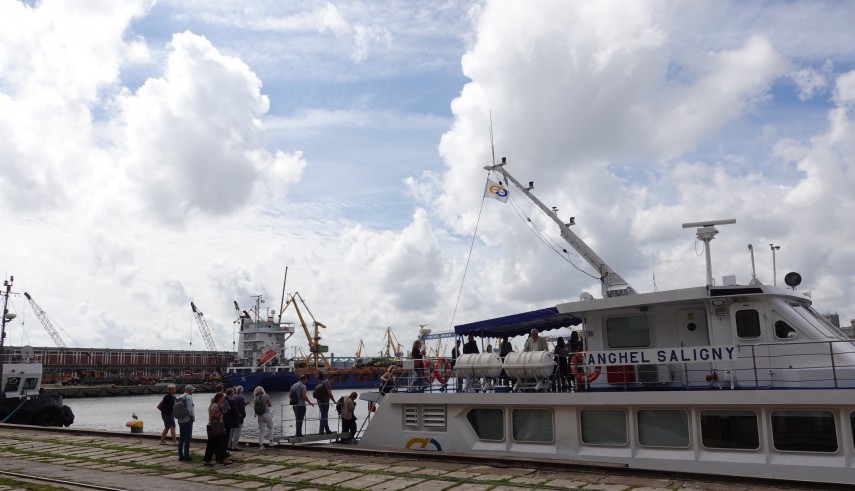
158	153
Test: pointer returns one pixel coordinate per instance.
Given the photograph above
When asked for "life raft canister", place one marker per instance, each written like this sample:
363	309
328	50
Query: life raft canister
578	368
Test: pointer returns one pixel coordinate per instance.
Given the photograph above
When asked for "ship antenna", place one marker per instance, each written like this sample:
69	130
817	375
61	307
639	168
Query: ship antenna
492	146
754	280
282	302
706	233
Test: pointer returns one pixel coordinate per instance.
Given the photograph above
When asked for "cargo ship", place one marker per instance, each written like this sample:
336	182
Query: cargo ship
262	358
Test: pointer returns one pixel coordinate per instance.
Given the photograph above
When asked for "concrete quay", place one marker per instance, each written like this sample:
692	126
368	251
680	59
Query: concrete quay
107	460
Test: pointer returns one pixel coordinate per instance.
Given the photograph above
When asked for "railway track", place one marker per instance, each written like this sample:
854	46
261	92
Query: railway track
64	483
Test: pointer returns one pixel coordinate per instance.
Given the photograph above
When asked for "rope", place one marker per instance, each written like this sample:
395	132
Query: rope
466	267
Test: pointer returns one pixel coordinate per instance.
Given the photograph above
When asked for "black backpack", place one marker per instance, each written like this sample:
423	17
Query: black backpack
293	398
339	405
320	391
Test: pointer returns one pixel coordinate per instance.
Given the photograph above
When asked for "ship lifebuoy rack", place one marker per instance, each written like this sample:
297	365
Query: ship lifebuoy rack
578	368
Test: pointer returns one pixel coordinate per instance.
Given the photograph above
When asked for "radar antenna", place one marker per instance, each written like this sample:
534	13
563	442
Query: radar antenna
707	232
612	284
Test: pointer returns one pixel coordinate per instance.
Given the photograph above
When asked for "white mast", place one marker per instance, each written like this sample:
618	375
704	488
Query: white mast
612	284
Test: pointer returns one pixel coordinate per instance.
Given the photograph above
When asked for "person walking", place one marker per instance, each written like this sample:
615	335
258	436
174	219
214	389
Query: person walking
560	381
348	416
165	407
216	446
240	406
231	416
505	349
265	416
324	395
417	355
455	354
299	398
185	425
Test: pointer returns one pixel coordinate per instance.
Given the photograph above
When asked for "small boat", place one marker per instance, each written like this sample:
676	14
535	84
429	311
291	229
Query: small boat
269	355
735	379
22	400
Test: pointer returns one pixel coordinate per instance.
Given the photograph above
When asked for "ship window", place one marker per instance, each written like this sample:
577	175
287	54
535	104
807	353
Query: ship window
784	330
533	425
730	429
663	428
804	431
30	383
12	384
604	427
628	332
852	425
747	323
488	424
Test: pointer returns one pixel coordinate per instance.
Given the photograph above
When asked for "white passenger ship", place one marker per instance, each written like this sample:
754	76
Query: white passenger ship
735	380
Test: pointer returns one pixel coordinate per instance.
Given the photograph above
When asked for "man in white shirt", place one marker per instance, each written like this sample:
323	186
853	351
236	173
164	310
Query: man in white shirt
535	342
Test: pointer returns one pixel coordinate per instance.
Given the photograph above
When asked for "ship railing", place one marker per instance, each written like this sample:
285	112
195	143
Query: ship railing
287	429
784	365
787	364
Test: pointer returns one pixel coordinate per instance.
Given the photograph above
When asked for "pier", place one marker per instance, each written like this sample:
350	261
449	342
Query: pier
65	458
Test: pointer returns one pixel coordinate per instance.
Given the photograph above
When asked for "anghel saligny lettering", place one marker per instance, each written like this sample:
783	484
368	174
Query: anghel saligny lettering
687	354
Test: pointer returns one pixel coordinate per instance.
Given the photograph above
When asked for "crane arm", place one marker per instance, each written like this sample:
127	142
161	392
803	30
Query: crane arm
43	318
612	284
312	340
203	327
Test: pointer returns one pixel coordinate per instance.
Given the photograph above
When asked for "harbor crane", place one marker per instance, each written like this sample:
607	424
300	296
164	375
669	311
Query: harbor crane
208	337
393	347
65	357
612	284
43	318
316	349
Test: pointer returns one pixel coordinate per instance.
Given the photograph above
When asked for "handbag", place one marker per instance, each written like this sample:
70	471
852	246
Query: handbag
216	429
160	405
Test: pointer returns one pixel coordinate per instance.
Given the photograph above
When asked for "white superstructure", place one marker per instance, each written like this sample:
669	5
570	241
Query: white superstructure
737	380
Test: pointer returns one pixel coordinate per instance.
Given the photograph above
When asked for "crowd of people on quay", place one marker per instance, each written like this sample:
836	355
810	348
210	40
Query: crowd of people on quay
227	412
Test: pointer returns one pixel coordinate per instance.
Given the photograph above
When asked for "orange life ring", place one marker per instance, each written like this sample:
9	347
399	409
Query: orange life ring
578	369
427	371
441	370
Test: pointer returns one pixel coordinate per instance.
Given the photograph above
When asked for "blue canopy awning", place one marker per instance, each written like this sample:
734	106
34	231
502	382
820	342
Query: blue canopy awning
519	324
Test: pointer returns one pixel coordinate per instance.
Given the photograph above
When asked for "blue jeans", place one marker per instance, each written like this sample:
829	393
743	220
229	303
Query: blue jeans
300	413
325	411
186	430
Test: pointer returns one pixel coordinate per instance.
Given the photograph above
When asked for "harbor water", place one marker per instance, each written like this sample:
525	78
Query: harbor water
111	414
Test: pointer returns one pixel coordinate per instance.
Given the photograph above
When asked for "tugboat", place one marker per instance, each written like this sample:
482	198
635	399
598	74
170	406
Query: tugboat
21	399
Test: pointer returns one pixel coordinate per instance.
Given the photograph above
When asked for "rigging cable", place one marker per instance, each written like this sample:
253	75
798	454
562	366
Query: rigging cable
466	267
557	249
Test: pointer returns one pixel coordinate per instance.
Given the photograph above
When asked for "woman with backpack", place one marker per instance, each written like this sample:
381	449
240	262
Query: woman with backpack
265	416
